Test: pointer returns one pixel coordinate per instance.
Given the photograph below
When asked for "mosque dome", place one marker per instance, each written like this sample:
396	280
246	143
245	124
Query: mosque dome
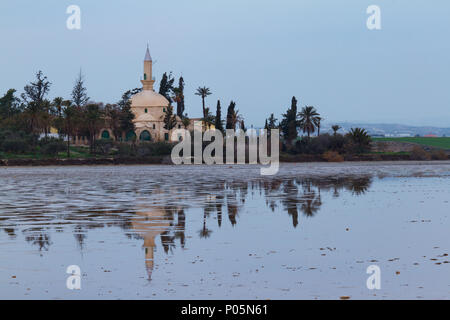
149	98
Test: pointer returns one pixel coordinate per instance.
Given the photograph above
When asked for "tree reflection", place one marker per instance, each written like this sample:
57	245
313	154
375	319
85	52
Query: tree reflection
156	214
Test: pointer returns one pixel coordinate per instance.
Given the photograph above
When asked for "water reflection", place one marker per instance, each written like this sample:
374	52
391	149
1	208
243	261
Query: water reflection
158	218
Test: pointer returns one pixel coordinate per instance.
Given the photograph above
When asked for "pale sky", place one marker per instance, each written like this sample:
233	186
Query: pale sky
258	53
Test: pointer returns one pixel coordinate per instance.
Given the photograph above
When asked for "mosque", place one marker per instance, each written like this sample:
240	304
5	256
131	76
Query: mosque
149	109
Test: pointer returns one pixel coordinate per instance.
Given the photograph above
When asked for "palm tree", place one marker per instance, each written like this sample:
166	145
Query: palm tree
70	119
208	119
360	139
336	128
318	124
236	118
57	103
309	118
186	121
113	116
203	92
93	117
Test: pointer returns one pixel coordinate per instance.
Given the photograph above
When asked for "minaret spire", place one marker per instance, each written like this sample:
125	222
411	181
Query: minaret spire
148	81
148	57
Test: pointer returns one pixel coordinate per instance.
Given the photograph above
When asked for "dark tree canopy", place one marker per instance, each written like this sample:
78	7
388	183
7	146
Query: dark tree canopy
79	92
166	86
289	123
230	114
36	91
126	116
170	120
179	97
9	105
218	122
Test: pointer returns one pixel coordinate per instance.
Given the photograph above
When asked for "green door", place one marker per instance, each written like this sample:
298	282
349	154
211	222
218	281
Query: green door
105	134
145	136
130	136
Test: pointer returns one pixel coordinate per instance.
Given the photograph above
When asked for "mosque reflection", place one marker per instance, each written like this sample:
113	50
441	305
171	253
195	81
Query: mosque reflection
156	221
295	196
159	219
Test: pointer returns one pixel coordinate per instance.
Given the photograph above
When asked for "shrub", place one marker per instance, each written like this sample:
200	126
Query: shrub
320	144
16	145
103	146
16	141
51	146
145	149
332	156
126	149
418	153
439	155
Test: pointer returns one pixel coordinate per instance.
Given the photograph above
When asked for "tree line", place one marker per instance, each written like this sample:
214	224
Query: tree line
23	119
309	121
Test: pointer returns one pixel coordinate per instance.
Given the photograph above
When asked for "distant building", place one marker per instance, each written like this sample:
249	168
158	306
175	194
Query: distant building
377	135
398	135
430	136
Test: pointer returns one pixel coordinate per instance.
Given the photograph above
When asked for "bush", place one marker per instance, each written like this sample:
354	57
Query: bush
145	149
439	155
126	149
418	153
16	145
16	141
320	144
52	146
103	146
332	156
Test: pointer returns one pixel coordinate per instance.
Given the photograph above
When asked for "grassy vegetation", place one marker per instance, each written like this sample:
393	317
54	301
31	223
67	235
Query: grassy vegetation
390	153
75	153
440	142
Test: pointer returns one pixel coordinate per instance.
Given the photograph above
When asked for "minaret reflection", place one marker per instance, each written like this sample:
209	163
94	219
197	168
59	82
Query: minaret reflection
151	222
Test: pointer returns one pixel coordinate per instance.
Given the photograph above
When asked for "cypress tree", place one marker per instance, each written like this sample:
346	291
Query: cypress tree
230	112
289	122
79	92
179	96
218	119
126	116
166	86
170	121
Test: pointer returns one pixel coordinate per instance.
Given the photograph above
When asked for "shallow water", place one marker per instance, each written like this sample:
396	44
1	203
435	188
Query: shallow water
218	232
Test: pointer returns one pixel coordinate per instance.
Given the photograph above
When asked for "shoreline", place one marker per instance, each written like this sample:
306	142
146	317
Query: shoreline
165	160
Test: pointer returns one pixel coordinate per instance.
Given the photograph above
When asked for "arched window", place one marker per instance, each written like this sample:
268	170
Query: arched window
146	110
145	136
145	76
166	136
164	109
105	134
130	136
154	126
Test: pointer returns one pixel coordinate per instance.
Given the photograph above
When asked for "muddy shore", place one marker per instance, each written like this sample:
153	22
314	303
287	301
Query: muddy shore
167	160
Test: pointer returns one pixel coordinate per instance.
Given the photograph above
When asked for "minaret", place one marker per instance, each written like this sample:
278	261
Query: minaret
148	80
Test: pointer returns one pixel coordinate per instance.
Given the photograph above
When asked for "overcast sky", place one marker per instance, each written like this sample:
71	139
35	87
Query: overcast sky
258	53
